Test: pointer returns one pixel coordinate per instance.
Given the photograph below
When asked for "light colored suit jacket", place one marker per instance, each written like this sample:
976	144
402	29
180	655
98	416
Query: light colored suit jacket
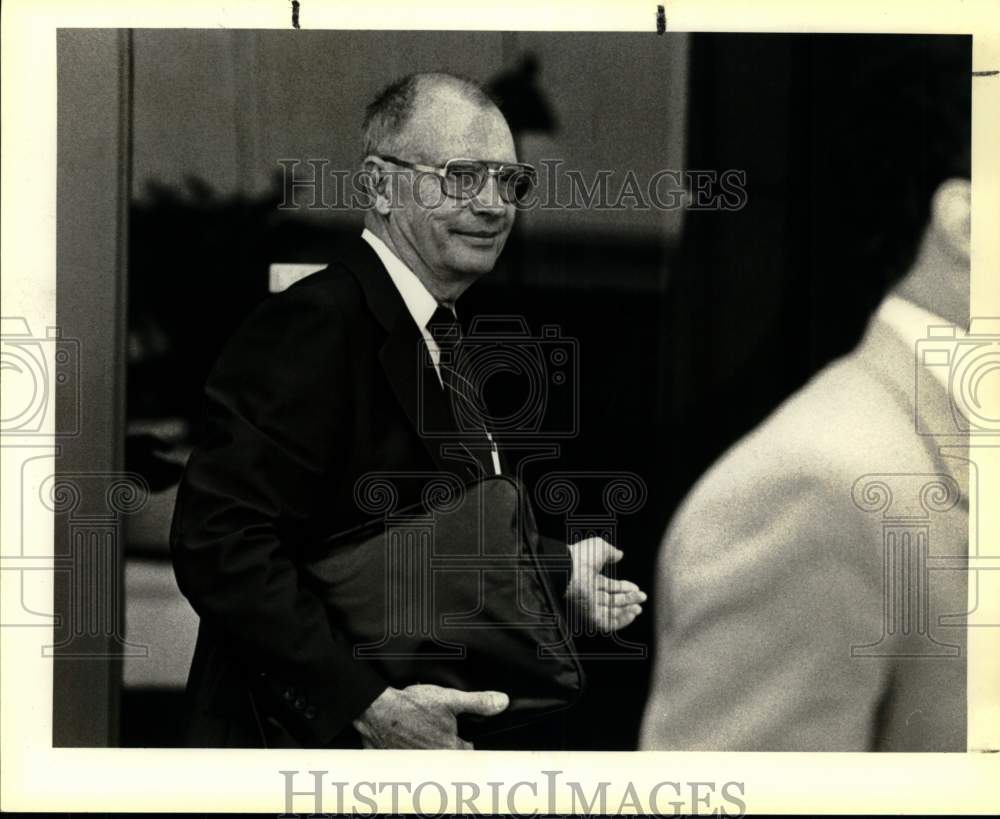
802	584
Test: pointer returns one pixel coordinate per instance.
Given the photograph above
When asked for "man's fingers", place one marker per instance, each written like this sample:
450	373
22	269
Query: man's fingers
625	619
617	586
608	554
596	551
611	618
484	703
633	609
631	598
618	601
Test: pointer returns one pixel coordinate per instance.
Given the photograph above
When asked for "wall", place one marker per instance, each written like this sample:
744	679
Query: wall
92	179
223	107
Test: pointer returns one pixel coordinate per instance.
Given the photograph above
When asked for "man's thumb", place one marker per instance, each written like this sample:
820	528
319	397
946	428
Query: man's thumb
484	703
609	554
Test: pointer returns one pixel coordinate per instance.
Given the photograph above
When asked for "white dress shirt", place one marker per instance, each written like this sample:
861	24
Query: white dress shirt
421	305
911	322
417	298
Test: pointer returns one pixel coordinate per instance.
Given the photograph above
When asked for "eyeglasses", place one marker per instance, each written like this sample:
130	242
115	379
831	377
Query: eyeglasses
465	178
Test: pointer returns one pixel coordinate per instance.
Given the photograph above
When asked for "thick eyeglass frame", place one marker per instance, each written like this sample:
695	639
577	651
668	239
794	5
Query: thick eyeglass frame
491	169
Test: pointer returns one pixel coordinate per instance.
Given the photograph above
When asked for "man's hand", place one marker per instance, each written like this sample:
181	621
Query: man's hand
423	716
607	604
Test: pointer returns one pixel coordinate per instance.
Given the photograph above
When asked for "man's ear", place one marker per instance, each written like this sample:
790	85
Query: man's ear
950	215
378	184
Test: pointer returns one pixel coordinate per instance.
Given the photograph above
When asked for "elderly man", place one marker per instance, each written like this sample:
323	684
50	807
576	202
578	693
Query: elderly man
319	388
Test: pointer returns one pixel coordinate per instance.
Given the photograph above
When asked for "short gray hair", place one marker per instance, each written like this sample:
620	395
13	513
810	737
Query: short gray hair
386	116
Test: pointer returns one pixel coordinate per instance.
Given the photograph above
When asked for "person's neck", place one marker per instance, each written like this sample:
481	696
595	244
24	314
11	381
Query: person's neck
939	282
445	293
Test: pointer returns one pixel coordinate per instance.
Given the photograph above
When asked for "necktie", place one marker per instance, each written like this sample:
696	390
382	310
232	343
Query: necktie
465	399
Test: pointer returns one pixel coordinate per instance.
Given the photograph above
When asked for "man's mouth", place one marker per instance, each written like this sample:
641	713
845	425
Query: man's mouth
484	235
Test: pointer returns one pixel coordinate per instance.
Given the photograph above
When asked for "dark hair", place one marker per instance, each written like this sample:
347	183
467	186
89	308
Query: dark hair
902	126
386	116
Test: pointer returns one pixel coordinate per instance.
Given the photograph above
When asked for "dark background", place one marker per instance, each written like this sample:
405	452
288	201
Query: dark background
687	337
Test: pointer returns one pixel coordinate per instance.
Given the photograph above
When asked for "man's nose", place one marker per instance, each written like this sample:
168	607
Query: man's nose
488	200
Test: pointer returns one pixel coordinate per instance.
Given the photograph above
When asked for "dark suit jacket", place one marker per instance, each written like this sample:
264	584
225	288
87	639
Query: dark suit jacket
319	387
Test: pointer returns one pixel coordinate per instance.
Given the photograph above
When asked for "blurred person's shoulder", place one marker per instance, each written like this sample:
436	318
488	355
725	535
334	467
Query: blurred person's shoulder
849	419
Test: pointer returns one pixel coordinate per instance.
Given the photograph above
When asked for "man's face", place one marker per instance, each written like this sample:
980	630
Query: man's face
448	241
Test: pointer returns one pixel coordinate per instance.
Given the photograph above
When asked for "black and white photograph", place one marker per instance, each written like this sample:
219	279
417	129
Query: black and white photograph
506	390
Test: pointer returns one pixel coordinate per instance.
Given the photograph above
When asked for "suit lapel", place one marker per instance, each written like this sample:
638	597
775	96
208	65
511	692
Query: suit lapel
896	364
403	356
408	367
